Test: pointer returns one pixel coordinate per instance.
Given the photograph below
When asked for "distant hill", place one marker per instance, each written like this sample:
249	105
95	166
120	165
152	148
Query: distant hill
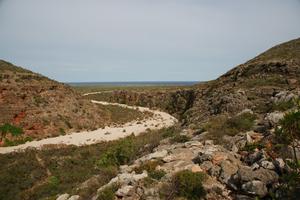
43	107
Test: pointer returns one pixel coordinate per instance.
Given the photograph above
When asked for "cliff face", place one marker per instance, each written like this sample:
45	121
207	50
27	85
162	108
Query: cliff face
43	107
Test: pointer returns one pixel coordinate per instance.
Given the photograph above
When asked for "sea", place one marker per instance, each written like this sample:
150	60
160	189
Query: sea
135	83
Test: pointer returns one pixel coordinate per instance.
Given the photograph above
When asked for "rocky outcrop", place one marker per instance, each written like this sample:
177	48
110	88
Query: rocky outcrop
43	107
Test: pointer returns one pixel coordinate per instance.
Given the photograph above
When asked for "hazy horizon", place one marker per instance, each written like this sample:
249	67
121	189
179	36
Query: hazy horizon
140	40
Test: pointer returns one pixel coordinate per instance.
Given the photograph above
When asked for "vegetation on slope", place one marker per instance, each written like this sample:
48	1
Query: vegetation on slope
37	174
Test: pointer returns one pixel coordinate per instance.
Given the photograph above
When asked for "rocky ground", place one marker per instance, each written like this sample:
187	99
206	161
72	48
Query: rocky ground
244	166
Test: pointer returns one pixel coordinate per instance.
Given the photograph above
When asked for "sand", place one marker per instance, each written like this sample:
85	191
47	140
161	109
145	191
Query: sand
159	120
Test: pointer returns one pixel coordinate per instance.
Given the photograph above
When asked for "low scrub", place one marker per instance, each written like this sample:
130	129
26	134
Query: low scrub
185	184
108	193
21	173
150	167
222	125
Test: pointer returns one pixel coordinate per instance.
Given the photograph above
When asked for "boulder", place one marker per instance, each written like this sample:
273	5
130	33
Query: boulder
274	118
227	170
157	154
124	191
254	157
256	188
246	174
63	197
267	165
74	197
279	164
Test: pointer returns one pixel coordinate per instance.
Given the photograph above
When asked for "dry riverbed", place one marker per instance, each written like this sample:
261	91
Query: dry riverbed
158	120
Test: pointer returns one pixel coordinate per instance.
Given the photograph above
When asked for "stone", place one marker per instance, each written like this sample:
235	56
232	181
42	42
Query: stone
249	139
274	118
215	171
206	165
254	157
63	197
246	174
267	165
209	142
124	191
74	197
255	166
202	157
196	168
256	188
242	197
125	169
247	110
158	154
227	170
279	163
193	144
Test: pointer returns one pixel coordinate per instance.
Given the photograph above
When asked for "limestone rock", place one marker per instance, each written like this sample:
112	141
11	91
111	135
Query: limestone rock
256	188
63	197
74	197
124	191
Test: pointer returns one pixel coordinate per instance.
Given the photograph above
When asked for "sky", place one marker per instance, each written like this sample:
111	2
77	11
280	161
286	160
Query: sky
141	40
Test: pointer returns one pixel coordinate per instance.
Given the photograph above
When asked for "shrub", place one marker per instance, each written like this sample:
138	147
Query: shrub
13	130
185	184
120	154
288	133
283	105
157	174
53	181
150	167
108	193
222	125
251	147
180	138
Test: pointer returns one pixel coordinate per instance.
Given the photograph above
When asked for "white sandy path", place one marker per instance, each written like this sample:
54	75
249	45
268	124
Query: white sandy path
91	93
158	121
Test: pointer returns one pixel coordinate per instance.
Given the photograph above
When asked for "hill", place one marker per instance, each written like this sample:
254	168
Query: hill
42	107
248	86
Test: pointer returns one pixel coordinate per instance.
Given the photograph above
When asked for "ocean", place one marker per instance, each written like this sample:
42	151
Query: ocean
135	83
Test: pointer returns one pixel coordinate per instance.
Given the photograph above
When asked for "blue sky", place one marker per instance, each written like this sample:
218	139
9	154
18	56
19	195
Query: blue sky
141	40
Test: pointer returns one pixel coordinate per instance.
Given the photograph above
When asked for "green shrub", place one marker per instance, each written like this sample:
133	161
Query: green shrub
252	147
222	125
8	142
171	132
185	184
157	174
13	130
150	167
288	134
108	193
243	122
62	131
180	138
53	181
120	154
283	105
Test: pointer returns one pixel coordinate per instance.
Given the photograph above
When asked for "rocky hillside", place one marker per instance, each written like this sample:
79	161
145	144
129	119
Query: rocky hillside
239	139
250	85
42	107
